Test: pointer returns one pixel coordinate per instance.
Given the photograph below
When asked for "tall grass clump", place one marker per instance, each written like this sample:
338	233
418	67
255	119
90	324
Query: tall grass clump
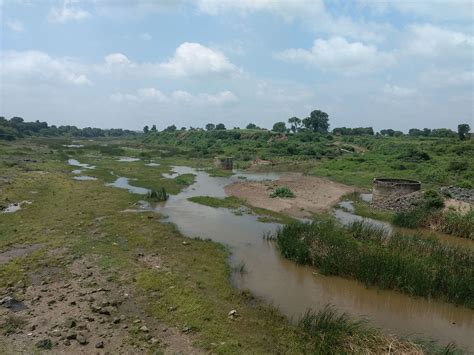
331	332
419	215
160	195
410	264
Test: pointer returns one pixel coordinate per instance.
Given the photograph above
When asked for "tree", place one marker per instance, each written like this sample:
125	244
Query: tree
171	128
153	128
318	121
220	126
251	126
415	132
210	126
295	124
146	130
279	127
387	132
463	131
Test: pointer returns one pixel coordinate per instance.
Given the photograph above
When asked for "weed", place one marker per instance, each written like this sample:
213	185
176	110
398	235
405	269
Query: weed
283	192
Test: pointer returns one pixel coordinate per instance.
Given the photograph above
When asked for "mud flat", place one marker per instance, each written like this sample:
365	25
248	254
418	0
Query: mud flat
312	194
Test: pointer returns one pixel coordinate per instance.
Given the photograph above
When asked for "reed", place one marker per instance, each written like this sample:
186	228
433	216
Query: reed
160	195
409	264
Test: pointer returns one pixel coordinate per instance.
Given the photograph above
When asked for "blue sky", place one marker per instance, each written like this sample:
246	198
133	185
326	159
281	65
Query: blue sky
124	63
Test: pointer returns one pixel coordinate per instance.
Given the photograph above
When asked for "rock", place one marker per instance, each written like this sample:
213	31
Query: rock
96	308
186	243
232	314
107	310
144	329
81	339
136	321
70	323
71	336
7	301
99	345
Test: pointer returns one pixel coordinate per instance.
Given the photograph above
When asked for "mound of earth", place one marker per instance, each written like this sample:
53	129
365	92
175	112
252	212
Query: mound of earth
399	203
312	194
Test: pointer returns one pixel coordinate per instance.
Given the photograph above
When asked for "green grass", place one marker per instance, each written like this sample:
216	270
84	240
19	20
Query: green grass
406	263
282	192
234	203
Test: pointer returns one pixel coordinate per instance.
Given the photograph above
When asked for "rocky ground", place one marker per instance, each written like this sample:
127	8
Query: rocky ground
82	312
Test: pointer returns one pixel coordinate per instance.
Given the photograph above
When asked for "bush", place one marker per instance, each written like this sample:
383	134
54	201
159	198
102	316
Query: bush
458	166
433	200
283	192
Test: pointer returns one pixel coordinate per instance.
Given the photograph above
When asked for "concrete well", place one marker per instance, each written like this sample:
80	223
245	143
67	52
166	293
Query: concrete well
387	188
226	163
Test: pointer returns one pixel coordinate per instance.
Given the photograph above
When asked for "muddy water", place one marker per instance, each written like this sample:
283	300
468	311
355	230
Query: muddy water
293	288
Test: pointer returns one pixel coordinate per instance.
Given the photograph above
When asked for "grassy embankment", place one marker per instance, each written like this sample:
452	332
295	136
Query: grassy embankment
234	203
409	264
84	219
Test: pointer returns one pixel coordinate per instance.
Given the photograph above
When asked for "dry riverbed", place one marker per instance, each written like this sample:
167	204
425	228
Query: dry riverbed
312	194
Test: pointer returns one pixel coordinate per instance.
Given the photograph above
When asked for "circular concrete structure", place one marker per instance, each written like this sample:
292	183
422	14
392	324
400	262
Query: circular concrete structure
387	188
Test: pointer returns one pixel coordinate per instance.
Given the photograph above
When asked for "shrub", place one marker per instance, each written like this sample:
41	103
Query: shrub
283	192
458	166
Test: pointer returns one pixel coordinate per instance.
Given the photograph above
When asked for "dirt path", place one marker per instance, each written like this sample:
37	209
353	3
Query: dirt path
312	194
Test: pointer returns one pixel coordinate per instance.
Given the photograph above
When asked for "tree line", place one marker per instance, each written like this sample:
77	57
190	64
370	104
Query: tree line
16	127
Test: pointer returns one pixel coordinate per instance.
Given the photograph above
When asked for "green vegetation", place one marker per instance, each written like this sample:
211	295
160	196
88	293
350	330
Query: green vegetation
84	219
157	196
406	263
283	192
234	203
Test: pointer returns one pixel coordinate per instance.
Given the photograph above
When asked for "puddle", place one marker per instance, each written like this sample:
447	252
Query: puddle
17	252
293	288
141	206
73	145
77	171
127	159
74	162
123	183
14	207
84	178
152	164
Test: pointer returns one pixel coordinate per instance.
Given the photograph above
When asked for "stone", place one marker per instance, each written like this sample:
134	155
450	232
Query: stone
70	323
144	329
71	336
81	339
99	345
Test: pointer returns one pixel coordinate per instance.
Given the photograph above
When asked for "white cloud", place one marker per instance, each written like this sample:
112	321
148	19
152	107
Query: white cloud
117	59
338	55
445	10
145	36
313	13
191	59
15	25
441	78
153	95
431	40
398	91
67	12
36	66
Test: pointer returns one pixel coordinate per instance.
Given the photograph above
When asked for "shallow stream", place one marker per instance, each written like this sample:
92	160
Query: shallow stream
294	288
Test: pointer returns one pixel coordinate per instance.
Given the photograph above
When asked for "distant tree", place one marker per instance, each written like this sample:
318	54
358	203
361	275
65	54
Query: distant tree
251	126
171	128
463	131
415	132
279	127
210	126
183	128
295	124
220	126
426	132
397	133
146	130
443	133
387	132
318	121
153	129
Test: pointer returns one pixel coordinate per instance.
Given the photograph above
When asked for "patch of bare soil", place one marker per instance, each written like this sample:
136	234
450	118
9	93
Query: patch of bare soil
83	313
312	194
17	251
461	207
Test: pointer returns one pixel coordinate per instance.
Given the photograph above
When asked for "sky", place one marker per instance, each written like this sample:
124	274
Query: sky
130	63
